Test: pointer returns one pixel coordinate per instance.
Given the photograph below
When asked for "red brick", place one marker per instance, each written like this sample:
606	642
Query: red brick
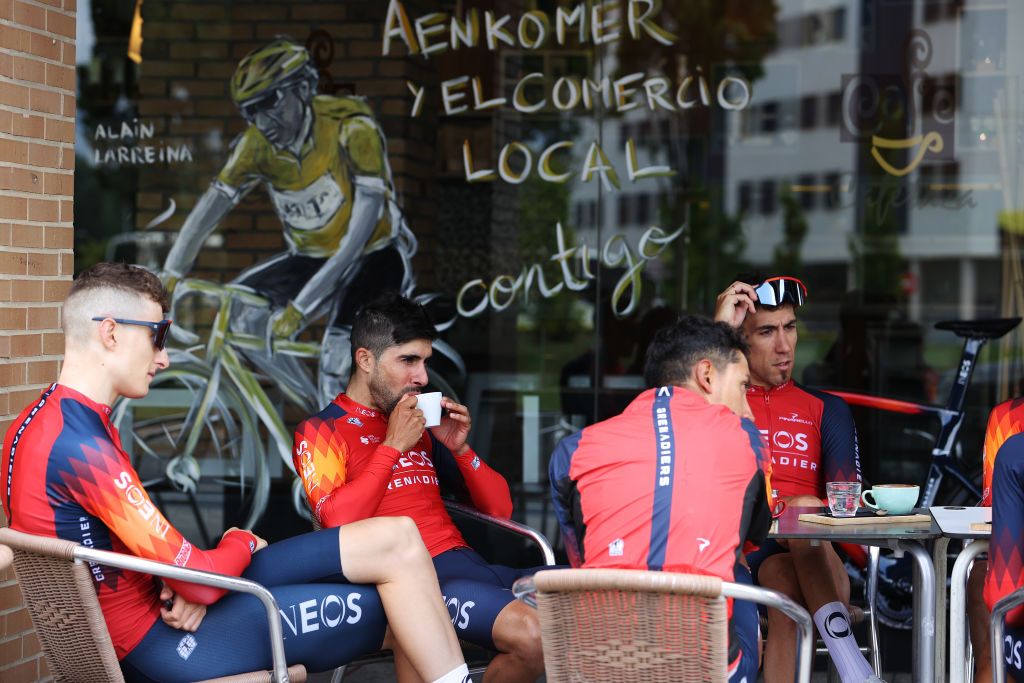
59	238
195	51
27	125
45	101
20	180
6	65
60	184
53	343
11	374
21	620
40	154
27	69
6	118
67	212
318	12
250	12
15	38
13	263
195	11
14	95
10	650
26	345
269	31
51	3
165	69
6	9
68	51
27	672
59	131
28	236
29	15
5	352
61	24
14	151
5	290
56	290
45	263
62	77
67	264
13	207
68	106
30	645
44	668
41	372
44	46
45	210
71	5
27	290
222	70
12	318
5	234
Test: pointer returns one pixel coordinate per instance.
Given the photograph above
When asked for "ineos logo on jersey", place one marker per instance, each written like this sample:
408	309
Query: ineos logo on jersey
837	625
415	459
459	614
1011	652
786	440
310	615
305	460
137	498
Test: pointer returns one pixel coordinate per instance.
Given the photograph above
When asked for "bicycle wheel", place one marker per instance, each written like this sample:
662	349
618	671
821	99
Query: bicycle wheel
197	451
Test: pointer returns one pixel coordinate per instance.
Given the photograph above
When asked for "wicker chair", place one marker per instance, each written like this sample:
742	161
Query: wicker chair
620	625
61	599
997	628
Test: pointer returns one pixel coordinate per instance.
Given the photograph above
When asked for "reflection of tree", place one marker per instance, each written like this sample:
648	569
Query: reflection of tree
715	38
786	258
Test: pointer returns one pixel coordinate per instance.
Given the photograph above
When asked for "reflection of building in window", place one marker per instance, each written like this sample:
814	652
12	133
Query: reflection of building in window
938	181
937	10
808	112
833	109
746	195
833	196
816	28
808	193
767	197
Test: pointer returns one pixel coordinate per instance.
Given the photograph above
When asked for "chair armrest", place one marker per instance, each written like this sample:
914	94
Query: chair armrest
507	524
204	578
997	627
776	600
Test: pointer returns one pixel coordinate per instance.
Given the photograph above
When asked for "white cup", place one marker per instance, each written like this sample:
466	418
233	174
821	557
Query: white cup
430	404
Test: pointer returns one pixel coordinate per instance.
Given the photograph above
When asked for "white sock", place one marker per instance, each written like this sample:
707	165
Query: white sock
460	674
833	622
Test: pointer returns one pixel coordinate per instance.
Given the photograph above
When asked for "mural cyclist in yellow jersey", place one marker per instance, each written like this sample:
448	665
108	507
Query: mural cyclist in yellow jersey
323	162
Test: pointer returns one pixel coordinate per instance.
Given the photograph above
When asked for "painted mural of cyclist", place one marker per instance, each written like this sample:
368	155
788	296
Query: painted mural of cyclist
323	162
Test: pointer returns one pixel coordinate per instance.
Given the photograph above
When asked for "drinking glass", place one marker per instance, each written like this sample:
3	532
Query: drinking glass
843	497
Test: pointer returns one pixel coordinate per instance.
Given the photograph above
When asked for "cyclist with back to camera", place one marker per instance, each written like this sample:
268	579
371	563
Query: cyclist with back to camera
68	477
812	440
323	162
1005	420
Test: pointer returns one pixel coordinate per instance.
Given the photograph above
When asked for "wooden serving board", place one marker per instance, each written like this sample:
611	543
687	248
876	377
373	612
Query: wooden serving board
874	519
981	526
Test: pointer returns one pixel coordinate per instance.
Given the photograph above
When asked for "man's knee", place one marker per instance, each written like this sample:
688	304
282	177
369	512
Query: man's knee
777	572
399	540
517	632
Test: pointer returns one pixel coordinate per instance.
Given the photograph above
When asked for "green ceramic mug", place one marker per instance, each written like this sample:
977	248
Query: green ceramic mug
898	499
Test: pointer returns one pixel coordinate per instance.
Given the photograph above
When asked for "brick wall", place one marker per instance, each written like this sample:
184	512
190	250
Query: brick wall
37	127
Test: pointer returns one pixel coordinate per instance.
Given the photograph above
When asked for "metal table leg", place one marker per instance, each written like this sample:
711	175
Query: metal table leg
958	612
939	550
924	611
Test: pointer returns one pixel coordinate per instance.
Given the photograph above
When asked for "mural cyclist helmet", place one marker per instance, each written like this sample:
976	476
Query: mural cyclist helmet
266	89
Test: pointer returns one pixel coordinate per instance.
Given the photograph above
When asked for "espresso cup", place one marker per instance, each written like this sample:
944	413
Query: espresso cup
898	499
430	404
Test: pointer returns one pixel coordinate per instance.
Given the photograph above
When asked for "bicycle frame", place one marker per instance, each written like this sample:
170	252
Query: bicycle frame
951	418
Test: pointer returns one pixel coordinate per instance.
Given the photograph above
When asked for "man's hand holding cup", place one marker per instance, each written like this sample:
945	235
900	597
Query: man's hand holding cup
405	425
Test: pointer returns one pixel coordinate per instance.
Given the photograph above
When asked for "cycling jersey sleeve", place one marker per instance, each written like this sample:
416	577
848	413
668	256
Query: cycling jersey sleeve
241	170
566	498
1005	420
485	488
109	488
363	142
321	459
757	499
840	452
1005	566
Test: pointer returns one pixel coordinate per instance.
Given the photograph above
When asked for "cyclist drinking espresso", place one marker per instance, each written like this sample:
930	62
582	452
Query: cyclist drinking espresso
68	477
812	440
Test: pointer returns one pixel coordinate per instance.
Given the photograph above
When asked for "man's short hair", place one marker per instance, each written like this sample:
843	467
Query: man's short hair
117	290
390	320
675	349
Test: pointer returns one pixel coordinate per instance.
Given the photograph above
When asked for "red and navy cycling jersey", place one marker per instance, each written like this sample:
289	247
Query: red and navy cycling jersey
1005	564
1005	420
811	437
673	483
349	474
67	476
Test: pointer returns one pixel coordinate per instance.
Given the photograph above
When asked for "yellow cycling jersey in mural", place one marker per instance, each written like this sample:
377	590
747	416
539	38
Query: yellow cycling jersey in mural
312	194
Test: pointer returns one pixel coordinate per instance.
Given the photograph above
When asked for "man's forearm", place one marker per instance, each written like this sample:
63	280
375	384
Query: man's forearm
204	217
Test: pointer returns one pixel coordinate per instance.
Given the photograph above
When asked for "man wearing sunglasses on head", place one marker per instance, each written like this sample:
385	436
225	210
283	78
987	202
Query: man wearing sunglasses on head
812	440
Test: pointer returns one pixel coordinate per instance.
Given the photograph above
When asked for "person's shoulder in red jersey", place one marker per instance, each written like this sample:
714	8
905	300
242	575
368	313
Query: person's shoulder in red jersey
677	480
1005	420
369	453
67	475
